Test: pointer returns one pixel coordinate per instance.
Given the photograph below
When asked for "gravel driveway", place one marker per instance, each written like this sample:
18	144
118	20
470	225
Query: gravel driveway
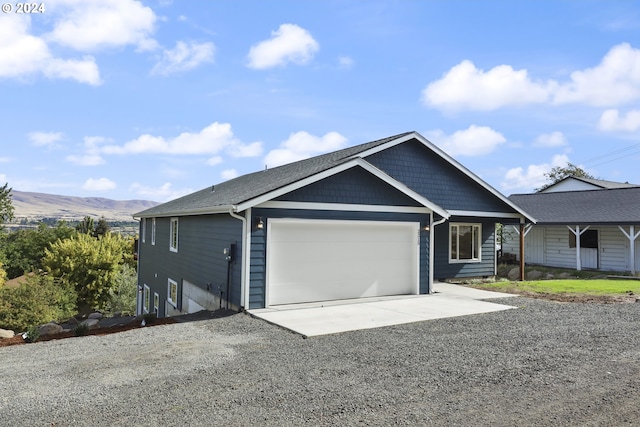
545	363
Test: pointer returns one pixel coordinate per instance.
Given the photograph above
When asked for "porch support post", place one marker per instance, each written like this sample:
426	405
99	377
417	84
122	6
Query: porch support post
577	232
632	236
522	234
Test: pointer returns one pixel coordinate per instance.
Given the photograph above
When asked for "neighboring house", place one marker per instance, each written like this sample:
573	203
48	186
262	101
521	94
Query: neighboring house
581	223
383	218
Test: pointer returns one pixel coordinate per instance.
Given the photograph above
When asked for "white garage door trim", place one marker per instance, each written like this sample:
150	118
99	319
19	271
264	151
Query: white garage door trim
311	260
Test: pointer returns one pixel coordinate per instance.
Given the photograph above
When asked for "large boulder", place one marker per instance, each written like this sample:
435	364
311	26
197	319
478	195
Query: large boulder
514	274
90	323
50	328
534	275
6	333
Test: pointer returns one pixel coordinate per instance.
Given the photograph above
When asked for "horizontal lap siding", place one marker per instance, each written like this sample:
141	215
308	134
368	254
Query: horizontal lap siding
613	247
257	280
443	269
199	260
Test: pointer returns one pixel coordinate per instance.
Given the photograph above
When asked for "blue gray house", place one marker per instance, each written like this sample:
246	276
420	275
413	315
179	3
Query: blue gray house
387	217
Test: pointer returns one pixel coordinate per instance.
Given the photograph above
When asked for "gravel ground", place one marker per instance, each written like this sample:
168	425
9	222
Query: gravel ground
546	363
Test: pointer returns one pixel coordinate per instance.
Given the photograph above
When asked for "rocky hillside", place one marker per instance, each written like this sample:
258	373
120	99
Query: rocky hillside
36	206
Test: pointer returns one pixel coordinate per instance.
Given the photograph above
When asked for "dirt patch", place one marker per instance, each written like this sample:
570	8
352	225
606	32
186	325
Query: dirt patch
576	298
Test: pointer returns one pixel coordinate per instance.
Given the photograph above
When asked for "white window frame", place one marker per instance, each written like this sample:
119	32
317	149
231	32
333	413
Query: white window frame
172	283
143	230
173	235
146	298
153	231
477	244
156	302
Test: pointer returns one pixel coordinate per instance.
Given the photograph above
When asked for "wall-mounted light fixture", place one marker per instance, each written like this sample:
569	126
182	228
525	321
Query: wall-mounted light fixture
426	227
259	223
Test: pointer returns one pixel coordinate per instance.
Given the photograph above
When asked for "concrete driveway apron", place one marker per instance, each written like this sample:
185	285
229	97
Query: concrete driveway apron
330	317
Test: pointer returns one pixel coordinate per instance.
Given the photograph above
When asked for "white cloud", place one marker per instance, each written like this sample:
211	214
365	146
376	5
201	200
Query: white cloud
611	120
163	193
100	184
533	177
246	150
474	141
91	157
23	55
553	139
290	43
86	160
466	87
345	62
302	145
614	81
210	140
213	161
228	174
45	139
184	57
92	25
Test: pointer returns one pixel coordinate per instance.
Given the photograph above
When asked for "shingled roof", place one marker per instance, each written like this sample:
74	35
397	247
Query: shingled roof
605	206
247	187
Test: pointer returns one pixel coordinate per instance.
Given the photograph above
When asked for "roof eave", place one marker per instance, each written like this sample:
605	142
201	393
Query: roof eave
209	210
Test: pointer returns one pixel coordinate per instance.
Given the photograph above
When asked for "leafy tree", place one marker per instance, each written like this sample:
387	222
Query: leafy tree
6	204
559	173
39	300
85	226
101	228
124	292
88	264
24	249
3	275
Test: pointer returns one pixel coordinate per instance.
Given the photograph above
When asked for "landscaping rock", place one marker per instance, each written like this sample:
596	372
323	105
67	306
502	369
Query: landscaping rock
514	273
50	329
6	333
72	321
564	275
534	275
90	323
95	315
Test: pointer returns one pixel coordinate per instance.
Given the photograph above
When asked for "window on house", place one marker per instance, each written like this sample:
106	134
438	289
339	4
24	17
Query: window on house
172	293
173	235
464	242
143	229
156	302
153	231
147	298
588	239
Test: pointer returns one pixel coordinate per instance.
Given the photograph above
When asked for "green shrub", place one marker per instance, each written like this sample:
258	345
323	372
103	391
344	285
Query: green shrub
32	334
81	329
149	318
37	301
124	291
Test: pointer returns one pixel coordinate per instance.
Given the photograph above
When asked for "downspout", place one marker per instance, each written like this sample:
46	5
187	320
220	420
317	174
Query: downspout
245	251
432	226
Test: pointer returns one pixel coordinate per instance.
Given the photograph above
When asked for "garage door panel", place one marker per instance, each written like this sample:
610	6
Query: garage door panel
319	260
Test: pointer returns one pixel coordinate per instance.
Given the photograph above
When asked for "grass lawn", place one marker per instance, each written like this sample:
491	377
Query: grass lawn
568	286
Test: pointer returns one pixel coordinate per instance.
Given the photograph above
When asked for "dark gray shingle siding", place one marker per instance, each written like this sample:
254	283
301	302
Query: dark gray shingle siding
612	206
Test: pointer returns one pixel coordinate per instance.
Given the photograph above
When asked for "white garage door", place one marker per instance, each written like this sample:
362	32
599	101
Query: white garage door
322	260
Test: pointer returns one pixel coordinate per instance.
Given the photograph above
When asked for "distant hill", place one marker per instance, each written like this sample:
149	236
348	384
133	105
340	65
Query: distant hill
35	206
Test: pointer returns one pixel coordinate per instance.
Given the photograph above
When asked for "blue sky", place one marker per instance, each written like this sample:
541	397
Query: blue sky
155	99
